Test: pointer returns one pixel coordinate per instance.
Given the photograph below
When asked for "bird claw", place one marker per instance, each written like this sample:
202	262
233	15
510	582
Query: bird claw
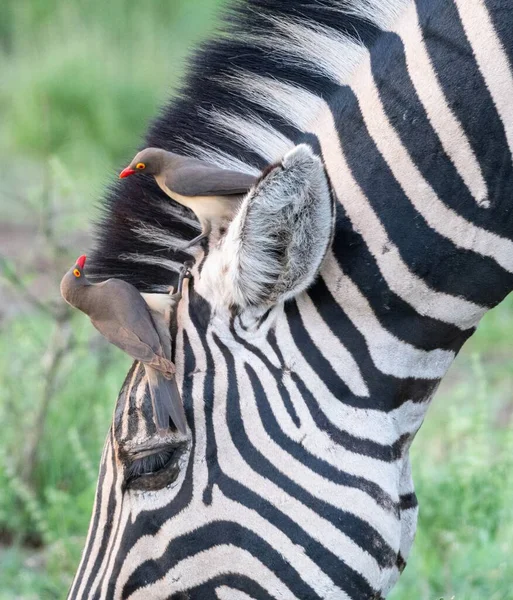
185	273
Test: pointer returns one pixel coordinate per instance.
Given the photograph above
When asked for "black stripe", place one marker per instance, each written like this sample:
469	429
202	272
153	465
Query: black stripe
395	315
386	392
275	372
354	527
93	526
365	447
500	14
358	445
207	537
422	249
332	566
407	501
108	525
207	590
149	522
409	119
400	563
208	396
470	99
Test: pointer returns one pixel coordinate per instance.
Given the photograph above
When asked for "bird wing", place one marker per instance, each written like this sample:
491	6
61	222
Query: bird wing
126	340
123	317
198	179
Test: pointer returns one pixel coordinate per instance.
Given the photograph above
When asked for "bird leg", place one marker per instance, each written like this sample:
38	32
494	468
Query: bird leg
185	273
195	241
206	228
162	303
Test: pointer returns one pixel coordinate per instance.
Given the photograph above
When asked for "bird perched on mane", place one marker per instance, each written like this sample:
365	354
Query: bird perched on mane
212	193
139	325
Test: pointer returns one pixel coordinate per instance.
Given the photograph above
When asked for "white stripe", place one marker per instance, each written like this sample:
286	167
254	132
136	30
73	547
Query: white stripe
217	157
310	572
227	593
365	423
139	391
224	509
165	263
399	278
320	48
201	567
143	394
444	122
158	236
331	347
491	58
106	485
389	354
253	133
437	215
291	102
119	521
90	533
342	497
315	441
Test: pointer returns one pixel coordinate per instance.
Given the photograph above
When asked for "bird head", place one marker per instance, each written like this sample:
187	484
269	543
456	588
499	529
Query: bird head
147	161
78	269
74	279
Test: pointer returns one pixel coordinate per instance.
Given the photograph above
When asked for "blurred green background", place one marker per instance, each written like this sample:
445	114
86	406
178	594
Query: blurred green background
79	81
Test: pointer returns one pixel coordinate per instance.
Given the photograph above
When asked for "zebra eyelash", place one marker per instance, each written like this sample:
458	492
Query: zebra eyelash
149	465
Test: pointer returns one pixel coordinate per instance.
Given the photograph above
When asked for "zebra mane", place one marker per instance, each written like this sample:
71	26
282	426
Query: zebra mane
140	232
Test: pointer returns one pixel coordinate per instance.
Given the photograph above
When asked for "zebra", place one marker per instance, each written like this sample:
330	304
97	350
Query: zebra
295	480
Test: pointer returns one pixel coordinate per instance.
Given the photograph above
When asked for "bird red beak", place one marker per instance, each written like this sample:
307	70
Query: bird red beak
126	172
81	261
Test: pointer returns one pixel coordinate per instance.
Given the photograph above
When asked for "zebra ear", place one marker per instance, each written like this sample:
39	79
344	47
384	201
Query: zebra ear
274	247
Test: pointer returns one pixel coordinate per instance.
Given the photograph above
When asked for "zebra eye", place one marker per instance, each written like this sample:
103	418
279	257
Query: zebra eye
153	471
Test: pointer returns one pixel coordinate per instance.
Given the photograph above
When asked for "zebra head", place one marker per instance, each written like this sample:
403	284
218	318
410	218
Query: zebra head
307	364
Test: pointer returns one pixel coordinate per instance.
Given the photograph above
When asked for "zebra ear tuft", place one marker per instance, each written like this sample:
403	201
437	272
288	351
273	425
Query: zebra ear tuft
274	247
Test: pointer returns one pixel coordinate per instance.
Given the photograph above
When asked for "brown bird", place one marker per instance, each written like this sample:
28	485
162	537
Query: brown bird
212	193
139	325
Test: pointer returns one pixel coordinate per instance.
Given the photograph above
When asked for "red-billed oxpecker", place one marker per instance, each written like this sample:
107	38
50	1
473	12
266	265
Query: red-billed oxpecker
139	325
212	193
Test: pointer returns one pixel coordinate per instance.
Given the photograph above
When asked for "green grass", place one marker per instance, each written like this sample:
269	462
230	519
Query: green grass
79	82
51	513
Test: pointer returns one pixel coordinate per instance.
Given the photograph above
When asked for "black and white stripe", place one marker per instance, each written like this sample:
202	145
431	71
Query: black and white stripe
296	481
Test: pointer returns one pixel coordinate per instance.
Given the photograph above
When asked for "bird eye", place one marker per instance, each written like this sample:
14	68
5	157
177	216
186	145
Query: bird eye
76	272
140	166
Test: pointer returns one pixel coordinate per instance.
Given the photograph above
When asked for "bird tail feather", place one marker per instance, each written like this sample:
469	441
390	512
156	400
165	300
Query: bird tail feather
166	401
